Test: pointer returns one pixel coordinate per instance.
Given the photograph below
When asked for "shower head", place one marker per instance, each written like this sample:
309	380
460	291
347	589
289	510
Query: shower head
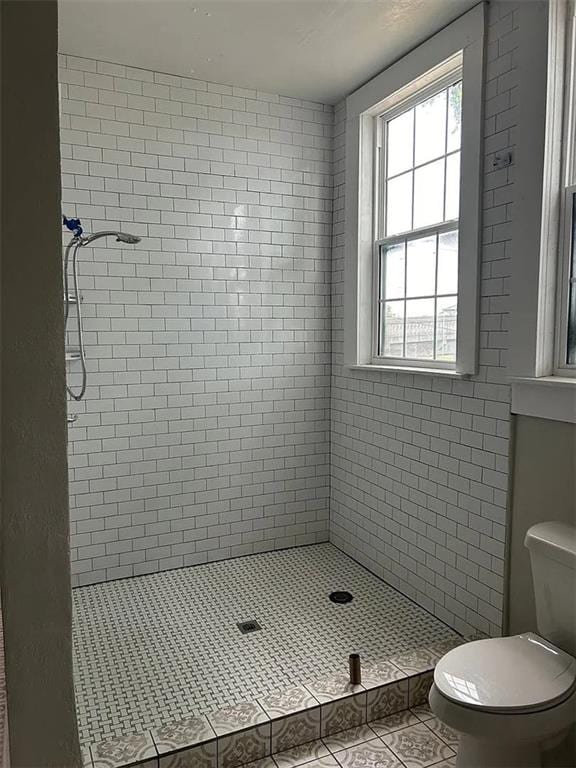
121	237
124	237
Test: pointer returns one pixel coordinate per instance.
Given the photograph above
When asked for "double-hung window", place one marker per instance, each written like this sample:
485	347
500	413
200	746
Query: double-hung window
417	218
414	156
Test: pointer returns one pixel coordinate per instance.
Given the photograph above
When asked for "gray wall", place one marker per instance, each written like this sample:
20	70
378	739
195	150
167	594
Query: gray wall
544	488
35	569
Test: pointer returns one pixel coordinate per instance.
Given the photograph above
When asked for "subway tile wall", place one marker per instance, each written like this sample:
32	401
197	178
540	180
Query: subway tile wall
419	477
205	429
211	418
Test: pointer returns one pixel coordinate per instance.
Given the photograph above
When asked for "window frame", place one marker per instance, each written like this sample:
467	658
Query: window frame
567	199
567	244
460	43
540	387
401	105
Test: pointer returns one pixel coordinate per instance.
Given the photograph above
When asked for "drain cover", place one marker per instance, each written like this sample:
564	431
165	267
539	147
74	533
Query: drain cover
248	626
341	597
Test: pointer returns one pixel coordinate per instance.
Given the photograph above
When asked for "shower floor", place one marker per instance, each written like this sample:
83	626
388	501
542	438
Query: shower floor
153	649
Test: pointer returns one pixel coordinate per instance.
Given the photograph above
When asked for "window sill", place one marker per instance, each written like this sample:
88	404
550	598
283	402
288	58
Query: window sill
409	369
548	397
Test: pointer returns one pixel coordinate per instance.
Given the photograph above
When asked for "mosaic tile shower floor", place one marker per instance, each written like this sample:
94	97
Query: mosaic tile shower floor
158	648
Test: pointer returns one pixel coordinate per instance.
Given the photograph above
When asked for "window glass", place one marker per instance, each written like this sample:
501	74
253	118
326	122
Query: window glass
454	116
421	272
420	329
429	194
431	129
452	186
399	204
393	329
394	275
400	143
419	269
447	263
571	346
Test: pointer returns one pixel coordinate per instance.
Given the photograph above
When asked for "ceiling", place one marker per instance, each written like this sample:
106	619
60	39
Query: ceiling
312	49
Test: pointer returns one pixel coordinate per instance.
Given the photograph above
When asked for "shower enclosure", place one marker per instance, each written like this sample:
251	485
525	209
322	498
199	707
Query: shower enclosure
201	382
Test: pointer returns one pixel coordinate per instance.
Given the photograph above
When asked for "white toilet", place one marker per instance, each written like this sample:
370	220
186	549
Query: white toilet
509	698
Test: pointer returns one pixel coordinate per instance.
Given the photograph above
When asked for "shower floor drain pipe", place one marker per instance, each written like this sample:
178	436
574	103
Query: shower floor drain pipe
355	671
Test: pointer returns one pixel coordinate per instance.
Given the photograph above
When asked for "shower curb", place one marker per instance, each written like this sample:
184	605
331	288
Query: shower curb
251	730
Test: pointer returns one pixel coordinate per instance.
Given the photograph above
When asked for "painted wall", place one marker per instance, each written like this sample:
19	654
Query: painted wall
204	433
34	558
419	473
544	489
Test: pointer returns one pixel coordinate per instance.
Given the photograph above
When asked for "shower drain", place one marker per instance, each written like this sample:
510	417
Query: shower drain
248	626
340	597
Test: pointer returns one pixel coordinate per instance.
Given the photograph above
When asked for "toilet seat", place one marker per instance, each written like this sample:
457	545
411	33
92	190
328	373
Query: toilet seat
518	674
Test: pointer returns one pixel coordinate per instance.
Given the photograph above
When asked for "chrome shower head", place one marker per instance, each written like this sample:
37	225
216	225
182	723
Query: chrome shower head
124	237
121	237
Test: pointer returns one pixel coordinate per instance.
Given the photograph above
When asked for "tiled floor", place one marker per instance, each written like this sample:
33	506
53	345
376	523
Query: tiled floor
153	649
408	739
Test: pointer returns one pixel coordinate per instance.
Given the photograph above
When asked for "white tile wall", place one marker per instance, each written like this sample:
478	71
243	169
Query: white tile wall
204	433
205	430
419	472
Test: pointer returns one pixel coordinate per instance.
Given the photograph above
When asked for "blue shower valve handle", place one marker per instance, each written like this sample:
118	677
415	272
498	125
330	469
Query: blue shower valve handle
74	225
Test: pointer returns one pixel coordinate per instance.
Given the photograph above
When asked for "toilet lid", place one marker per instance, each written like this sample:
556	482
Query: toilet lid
509	673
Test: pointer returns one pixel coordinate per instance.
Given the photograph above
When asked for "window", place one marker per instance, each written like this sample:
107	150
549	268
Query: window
566	324
542	320
418	188
411	238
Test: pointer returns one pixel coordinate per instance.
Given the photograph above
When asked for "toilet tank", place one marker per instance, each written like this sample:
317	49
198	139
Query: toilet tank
552	549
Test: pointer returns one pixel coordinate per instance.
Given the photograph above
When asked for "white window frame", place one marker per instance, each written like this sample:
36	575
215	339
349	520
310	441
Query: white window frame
460	44
396	106
542	385
567	193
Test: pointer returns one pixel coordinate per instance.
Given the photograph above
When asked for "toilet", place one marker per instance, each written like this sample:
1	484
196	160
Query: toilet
510	698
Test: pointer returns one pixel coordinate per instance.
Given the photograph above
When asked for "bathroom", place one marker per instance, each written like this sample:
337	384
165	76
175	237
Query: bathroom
308	414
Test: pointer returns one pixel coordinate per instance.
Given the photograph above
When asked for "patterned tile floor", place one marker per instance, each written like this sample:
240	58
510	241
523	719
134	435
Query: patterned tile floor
408	739
157	648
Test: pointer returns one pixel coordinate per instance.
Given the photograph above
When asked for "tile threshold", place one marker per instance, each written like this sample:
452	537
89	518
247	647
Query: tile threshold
253	730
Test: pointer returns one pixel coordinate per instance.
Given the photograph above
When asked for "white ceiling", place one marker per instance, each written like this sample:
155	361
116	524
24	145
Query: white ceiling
313	49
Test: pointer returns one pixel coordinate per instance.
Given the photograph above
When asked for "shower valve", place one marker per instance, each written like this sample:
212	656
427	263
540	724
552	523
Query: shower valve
74	225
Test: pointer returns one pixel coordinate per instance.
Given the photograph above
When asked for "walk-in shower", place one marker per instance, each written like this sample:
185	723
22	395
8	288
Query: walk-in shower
200	466
79	240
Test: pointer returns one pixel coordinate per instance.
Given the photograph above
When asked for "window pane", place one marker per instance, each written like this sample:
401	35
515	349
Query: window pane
420	329
393	272
429	194
400	143
571	347
448	262
431	128
454	116
446	317
421	275
571	355
452	186
393	329
399	204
